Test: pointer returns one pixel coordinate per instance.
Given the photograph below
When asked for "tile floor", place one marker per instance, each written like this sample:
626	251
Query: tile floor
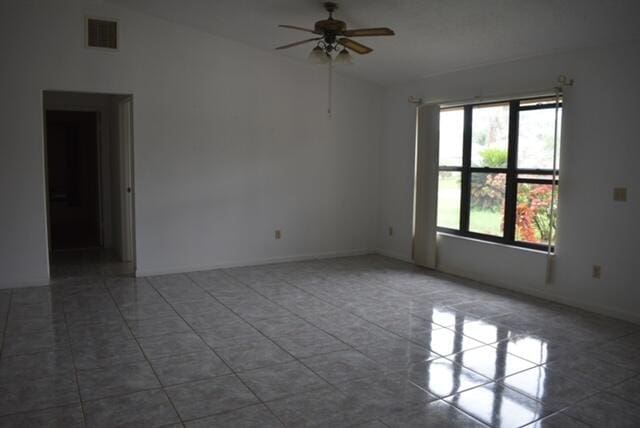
359	341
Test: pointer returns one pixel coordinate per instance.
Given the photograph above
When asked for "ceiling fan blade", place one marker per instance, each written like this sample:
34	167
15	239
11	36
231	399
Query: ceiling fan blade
354	46
368	32
290	45
295	27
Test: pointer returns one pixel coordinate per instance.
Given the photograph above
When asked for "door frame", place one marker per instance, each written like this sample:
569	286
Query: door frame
127	194
118	100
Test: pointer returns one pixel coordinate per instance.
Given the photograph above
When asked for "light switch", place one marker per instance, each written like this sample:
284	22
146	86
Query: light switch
620	194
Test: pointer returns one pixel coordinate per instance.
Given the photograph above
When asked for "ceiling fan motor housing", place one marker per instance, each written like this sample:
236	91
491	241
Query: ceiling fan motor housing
330	25
329	28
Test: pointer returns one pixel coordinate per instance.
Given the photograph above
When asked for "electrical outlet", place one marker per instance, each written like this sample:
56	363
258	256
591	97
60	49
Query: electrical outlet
390	231
620	194
597	271
278	234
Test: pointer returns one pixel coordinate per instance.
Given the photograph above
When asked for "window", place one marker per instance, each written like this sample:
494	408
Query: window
496	171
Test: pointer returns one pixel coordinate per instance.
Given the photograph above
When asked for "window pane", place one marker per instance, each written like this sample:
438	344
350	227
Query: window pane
532	213
451	130
449	199
535	138
487	203
490	136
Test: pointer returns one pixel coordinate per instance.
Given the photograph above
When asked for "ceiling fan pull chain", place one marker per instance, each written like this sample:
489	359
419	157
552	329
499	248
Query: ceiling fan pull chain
330	86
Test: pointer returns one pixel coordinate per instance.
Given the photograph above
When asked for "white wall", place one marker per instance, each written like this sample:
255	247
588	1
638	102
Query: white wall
602	152
230	142
233	142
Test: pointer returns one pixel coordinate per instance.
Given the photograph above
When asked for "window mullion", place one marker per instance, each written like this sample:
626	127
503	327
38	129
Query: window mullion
511	196
465	191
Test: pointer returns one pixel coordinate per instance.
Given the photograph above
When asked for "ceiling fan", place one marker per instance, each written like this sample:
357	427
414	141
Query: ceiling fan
333	35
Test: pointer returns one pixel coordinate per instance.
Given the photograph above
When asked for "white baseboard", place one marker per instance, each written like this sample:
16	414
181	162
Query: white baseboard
551	296
251	262
36	282
393	255
544	294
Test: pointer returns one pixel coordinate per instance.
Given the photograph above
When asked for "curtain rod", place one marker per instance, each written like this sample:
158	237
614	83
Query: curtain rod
563	81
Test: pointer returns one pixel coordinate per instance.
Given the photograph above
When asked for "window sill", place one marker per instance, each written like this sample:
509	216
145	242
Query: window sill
498	244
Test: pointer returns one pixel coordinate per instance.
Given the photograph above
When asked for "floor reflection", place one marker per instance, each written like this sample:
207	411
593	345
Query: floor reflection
498	406
447	342
446	317
443	377
493	362
530	348
486	331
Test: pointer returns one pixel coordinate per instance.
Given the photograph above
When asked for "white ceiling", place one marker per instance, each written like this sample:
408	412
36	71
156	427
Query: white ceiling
432	36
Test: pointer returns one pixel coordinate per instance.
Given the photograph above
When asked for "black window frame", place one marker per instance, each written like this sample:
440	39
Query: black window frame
513	173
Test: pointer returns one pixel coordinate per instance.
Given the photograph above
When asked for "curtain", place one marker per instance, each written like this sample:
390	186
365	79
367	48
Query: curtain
559	139
426	186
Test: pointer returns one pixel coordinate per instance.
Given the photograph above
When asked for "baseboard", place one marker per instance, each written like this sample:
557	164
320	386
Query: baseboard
37	282
251	262
548	295
393	255
543	294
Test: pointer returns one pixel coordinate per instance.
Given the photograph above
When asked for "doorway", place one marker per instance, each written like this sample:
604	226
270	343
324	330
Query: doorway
73	177
89	180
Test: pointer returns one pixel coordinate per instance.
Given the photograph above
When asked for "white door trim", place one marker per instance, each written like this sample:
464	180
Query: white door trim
125	129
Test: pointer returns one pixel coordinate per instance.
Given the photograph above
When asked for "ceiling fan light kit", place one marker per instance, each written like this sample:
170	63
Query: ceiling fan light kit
318	56
334	42
343	57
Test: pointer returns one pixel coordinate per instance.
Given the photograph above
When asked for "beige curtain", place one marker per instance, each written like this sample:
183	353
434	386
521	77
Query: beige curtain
559	139
426	186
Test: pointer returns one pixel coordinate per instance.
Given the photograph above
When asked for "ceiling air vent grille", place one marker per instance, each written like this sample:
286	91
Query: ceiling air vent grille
102	33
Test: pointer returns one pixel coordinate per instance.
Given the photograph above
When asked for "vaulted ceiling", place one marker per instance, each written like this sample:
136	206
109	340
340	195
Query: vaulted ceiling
432	36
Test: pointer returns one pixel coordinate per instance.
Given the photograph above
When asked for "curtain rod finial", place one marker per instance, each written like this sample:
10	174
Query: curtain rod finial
564	80
414	100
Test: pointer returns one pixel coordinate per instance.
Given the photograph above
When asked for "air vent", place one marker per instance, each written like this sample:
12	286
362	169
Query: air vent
102	33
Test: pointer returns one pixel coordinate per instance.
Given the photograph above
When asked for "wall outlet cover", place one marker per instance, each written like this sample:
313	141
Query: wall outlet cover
597	271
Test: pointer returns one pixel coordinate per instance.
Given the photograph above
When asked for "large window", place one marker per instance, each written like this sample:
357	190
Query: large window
496	171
